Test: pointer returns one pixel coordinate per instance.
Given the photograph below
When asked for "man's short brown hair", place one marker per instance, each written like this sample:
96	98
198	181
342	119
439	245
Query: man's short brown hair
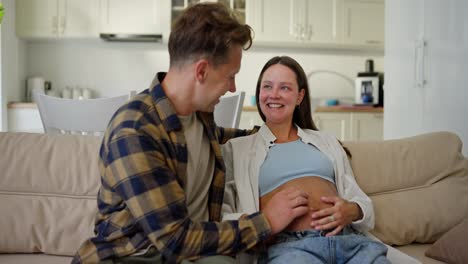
206	30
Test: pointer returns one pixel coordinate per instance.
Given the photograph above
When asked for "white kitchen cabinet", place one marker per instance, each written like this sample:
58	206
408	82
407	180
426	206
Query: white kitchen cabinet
327	23
24	119
367	126
178	7
293	21
320	21
57	18
271	20
339	124
346	126
135	17
351	126
362	22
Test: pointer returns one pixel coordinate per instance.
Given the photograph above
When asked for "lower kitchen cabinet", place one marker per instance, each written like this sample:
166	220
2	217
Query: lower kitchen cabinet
367	126
346	126
351	126
24	119
338	124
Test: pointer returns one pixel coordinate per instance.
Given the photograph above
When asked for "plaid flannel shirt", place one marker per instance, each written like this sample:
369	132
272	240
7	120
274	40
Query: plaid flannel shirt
141	201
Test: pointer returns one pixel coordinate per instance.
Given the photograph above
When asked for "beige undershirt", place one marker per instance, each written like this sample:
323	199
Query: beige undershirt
200	167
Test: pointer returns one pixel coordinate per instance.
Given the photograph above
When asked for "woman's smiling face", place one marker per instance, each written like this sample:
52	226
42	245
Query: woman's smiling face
279	94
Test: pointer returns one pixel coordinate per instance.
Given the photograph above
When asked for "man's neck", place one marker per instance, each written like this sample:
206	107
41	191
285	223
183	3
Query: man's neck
178	86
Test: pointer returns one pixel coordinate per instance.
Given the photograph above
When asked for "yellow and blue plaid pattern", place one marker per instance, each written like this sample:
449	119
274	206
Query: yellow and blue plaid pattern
141	201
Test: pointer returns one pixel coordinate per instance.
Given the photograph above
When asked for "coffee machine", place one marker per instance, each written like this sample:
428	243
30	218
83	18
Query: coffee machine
369	86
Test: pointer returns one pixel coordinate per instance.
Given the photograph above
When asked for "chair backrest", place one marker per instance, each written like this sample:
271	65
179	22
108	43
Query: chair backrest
71	116
228	111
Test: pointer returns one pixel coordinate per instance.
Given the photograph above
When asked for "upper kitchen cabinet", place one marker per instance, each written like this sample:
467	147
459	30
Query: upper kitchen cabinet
292	21
362	22
318	24
57	18
179	5
309	23
135	17
271	20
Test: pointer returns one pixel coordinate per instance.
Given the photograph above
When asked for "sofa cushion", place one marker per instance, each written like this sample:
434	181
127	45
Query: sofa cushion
417	251
48	189
33	258
418	185
451	247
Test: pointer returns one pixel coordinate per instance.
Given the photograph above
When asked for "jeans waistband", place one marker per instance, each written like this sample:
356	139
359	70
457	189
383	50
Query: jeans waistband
287	236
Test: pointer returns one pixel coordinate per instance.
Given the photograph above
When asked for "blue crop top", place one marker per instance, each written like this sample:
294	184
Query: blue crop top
292	160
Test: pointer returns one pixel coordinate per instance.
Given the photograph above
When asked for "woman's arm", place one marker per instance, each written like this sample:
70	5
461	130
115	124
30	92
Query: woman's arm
354	193
353	206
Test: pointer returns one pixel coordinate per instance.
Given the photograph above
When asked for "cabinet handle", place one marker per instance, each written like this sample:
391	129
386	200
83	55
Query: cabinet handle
373	42
419	62
310	32
54	25
63	24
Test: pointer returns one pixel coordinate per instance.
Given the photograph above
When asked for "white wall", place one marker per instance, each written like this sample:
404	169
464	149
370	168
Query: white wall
116	68
13	54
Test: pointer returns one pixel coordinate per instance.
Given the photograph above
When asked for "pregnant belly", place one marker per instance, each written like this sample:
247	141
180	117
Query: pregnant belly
315	187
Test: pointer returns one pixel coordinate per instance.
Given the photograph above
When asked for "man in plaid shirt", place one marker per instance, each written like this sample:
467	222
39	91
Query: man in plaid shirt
161	167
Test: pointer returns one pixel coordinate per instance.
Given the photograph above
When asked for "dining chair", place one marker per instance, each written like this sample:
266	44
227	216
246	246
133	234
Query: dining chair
227	112
72	116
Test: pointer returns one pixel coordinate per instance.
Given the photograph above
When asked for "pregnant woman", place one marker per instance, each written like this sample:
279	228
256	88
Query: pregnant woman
289	152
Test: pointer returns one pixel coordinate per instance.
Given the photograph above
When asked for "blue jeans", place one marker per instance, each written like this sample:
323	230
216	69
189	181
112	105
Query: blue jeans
312	246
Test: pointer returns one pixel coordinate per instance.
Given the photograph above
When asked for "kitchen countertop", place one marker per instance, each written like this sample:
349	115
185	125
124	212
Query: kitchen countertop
349	108
21	105
334	109
320	109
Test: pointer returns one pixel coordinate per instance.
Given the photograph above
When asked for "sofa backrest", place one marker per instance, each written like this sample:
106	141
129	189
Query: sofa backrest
48	190
419	185
49	184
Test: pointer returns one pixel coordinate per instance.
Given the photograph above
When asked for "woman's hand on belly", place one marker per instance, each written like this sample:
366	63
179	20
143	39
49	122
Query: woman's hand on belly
341	214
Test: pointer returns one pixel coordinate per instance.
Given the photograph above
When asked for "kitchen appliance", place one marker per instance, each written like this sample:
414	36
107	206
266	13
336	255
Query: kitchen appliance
36	85
369	86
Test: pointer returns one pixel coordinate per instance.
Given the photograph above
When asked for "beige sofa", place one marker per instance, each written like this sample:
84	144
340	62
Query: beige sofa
48	188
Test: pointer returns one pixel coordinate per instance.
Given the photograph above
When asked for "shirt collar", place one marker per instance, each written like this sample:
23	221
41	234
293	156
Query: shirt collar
267	135
163	105
270	138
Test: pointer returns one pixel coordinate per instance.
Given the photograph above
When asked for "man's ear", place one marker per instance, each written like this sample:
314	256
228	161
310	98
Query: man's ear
201	70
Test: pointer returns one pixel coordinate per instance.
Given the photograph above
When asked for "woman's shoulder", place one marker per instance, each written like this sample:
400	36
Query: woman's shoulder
244	140
321	134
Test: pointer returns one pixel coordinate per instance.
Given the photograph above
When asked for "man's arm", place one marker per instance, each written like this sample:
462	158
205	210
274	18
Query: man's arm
225	134
141	173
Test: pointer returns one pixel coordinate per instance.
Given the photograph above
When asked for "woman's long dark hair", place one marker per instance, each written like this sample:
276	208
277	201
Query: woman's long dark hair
302	114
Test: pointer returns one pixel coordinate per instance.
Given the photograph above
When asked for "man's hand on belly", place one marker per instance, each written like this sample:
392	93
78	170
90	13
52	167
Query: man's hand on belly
341	214
284	206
